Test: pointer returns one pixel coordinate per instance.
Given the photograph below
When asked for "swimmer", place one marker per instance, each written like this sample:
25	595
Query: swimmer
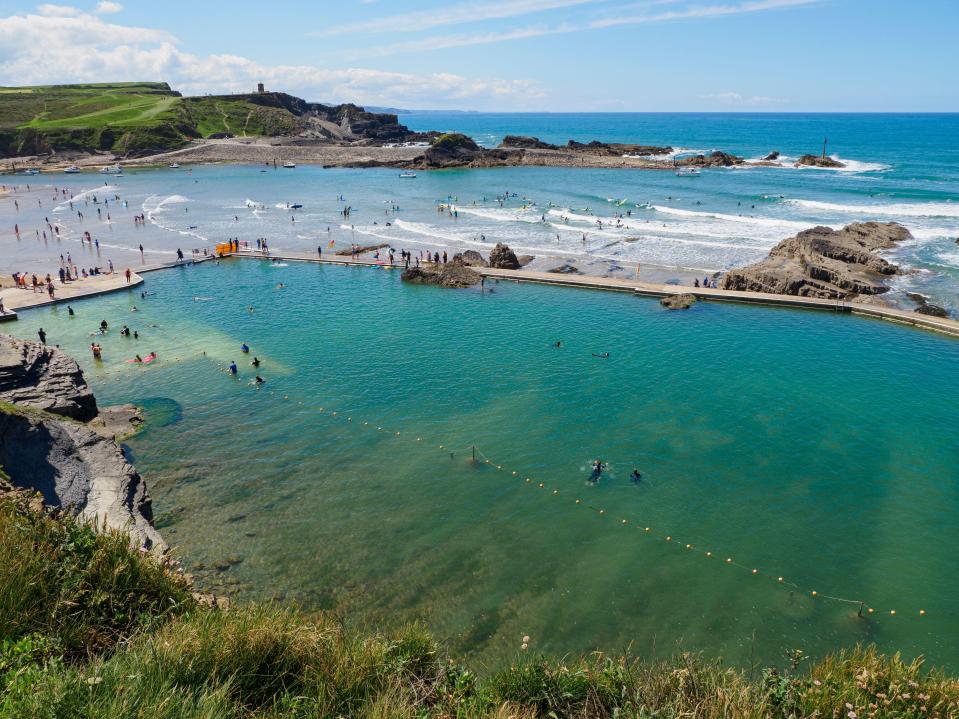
255	362
605	355
232	369
69	310
152	356
250	308
244	348
557	343
95	349
598	467
103	325
635	475
138	359
257	381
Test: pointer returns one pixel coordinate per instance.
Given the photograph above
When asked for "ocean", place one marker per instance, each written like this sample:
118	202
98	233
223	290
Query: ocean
811	446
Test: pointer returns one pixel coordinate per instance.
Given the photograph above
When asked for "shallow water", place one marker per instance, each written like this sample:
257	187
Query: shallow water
817	447
900	168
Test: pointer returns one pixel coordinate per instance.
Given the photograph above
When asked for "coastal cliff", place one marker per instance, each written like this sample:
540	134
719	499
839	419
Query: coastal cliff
49	443
826	263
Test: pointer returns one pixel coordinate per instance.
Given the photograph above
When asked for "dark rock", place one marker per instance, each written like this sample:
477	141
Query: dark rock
521	142
458	150
34	375
678	302
565	269
470	258
448	275
525	259
714	159
502	257
119	422
818	161
931	310
616	149
774	155
821	262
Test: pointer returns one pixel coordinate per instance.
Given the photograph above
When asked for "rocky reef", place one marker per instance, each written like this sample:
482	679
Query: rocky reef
714	159
50	442
826	263
678	302
819	161
453	275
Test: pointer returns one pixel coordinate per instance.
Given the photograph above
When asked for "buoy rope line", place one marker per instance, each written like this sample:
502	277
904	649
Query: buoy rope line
864	607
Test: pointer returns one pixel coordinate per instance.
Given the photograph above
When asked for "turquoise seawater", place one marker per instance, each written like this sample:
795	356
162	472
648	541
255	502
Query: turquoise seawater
902	168
817	447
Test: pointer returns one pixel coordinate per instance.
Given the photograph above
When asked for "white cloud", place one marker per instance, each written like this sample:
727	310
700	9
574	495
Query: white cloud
453	15
106	7
693	12
58	10
46	49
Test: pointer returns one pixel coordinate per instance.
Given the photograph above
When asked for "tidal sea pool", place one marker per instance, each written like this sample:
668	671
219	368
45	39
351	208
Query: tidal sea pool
812	446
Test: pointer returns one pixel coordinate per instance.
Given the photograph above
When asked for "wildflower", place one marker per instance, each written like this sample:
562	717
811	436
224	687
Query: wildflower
852	715
817	682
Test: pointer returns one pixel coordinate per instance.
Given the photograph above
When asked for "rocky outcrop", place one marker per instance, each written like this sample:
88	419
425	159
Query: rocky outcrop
76	469
822	262
525	259
714	159
448	275
925	307
44	446
678	302
469	258
502	257
565	269
522	142
34	375
774	155
818	161
458	150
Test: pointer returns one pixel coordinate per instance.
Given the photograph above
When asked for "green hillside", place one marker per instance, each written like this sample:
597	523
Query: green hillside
127	118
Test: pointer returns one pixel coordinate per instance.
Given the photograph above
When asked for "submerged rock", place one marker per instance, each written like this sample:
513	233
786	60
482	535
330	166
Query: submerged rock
678	302
119	422
932	310
822	262
525	259
502	257
818	161
565	269
448	275
774	155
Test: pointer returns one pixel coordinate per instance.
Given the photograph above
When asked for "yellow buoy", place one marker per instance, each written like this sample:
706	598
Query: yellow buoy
892	612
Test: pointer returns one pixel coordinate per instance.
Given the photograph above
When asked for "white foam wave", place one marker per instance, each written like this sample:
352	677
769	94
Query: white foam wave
919	209
81	196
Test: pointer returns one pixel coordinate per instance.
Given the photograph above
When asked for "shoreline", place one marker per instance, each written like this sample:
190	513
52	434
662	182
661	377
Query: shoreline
942	326
256	150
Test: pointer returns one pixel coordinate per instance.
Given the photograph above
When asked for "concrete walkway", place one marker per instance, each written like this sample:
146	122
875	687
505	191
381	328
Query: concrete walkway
15	299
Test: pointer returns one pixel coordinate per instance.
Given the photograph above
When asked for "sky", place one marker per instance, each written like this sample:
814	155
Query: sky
508	55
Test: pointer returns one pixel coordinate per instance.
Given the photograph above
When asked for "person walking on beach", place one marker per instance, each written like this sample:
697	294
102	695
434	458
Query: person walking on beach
319	252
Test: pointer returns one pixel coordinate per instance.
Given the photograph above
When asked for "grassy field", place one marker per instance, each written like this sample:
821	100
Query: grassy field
125	118
92	629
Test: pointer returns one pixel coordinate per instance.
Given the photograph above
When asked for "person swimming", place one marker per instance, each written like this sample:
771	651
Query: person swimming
598	467
255	362
95	348
257	381
635	475
244	348
125	332
605	355
557	343
232	369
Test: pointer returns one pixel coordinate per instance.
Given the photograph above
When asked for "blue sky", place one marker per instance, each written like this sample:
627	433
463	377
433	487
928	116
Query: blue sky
505	55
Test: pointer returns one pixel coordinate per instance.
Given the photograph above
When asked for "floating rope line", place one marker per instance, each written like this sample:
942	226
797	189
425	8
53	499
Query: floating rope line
864	607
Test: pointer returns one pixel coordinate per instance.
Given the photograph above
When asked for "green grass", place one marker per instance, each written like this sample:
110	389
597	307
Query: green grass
125	118
91	629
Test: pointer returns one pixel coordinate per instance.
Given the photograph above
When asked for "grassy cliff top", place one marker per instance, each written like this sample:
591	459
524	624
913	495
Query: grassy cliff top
90	628
126	117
